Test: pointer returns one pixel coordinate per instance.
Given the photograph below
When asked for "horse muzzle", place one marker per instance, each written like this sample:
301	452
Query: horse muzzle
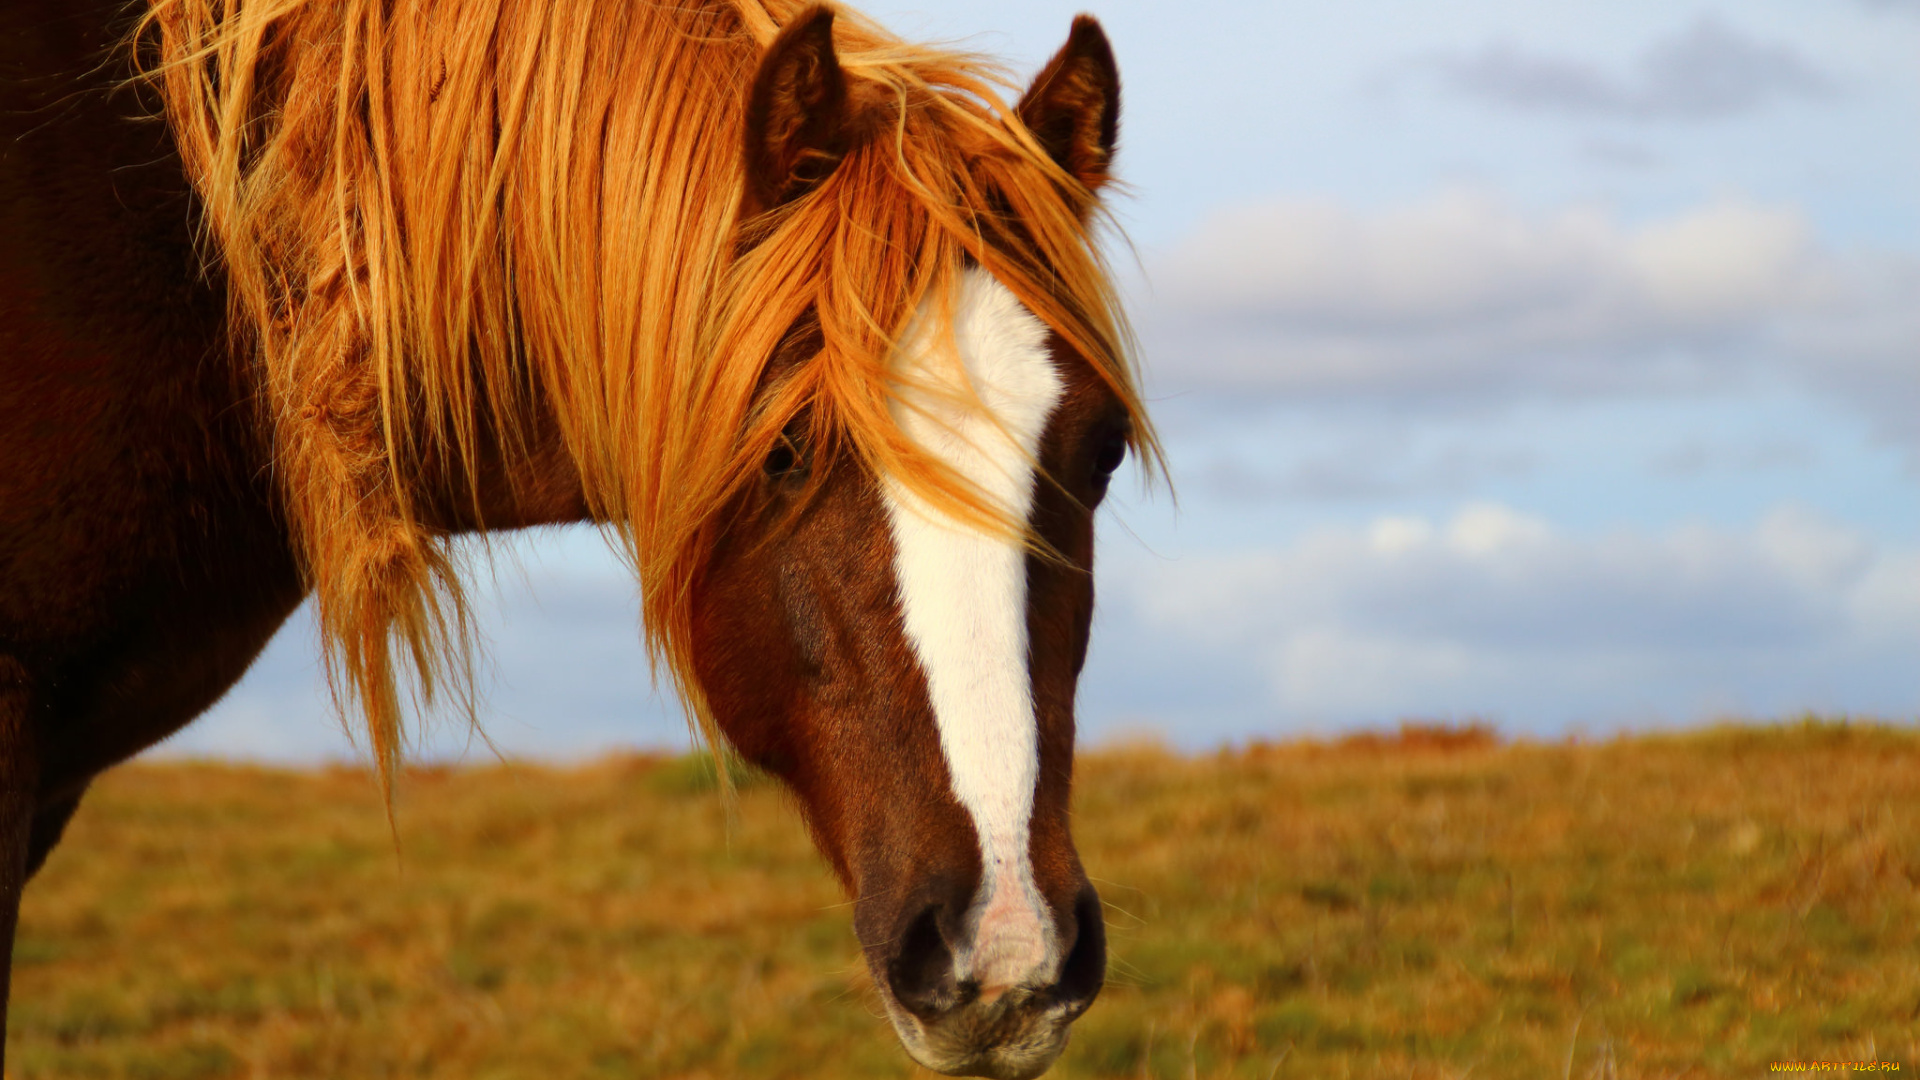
997	1000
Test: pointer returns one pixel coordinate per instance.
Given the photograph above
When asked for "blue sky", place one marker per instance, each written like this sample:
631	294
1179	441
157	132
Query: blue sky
1555	364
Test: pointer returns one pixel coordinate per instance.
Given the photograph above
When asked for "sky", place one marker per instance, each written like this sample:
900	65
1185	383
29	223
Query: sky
1551	365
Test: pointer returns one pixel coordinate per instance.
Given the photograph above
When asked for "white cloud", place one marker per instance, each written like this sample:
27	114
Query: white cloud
1496	612
1710	70
1462	296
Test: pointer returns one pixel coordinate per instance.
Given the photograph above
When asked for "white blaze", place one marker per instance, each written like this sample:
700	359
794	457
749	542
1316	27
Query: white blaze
963	594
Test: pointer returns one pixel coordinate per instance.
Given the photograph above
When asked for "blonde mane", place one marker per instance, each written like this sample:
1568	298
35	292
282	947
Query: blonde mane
445	223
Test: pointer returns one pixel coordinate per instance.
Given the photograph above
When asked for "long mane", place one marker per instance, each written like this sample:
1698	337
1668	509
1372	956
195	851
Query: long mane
445	224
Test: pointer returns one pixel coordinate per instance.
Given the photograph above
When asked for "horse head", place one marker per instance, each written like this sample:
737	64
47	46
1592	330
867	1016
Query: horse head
908	668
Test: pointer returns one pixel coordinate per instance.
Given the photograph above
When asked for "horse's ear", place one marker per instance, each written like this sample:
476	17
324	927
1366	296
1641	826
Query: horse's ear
797	117
1073	106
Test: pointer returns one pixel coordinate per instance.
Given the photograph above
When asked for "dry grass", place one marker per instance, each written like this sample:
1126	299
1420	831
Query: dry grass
1435	904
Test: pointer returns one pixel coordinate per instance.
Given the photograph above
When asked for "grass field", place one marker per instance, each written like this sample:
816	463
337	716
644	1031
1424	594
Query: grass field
1430	904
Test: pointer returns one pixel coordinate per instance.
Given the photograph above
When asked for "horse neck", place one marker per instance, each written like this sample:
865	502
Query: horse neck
519	478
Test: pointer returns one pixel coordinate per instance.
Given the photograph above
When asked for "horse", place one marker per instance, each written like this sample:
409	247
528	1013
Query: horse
810	321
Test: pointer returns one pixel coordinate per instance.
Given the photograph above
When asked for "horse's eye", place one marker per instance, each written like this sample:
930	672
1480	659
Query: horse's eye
1113	451
783	460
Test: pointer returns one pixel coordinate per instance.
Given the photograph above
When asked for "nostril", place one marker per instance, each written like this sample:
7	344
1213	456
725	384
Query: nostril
1085	969
921	972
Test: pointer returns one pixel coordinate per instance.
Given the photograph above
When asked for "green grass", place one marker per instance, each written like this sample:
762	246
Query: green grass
1433	904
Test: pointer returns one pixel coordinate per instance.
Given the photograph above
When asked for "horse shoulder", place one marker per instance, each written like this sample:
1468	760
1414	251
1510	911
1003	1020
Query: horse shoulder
142	564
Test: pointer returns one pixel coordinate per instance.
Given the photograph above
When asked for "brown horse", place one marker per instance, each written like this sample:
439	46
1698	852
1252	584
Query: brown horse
294	292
